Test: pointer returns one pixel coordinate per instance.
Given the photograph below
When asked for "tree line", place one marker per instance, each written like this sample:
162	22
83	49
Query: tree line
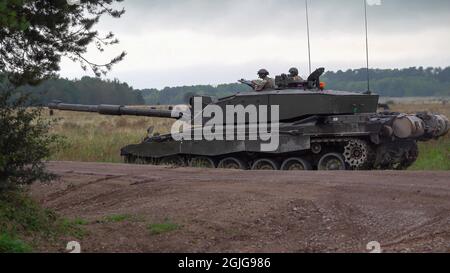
181	95
87	90
409	82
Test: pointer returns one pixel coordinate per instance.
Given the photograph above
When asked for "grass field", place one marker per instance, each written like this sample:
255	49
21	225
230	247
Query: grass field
96	138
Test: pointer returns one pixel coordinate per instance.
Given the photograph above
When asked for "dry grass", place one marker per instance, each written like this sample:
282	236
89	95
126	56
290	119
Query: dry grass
96	138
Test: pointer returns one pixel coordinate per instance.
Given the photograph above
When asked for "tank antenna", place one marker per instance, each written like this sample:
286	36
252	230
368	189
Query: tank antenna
309	41
367	47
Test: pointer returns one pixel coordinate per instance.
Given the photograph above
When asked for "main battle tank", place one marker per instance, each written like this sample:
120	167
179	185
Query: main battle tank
318	130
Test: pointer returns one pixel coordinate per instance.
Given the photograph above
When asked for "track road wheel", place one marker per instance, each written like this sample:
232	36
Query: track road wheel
296	164
233	163
265	165
332	162
129	159
176	161
202	162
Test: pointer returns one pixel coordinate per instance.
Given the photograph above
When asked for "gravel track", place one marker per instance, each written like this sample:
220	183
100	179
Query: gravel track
247	211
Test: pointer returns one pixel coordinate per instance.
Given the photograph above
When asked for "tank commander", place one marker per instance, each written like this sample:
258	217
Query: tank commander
293	74
264	82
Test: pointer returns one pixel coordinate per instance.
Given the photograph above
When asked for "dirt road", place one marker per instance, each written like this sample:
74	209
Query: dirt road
236	211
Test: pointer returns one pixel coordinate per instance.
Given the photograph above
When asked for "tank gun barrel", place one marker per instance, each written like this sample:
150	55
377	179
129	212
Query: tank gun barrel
116	110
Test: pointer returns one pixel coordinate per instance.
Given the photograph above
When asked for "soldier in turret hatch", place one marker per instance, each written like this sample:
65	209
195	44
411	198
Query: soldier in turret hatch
293	74
265	82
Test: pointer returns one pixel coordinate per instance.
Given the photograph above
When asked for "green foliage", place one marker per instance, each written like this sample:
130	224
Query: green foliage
24	223
434	156
24	142
87	90
417	82
181	95
20	214
156	229
35	34
22	217
9	16
118	218
76	222
9	244
73	227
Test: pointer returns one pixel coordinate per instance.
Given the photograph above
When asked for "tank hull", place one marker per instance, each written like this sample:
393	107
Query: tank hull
354	142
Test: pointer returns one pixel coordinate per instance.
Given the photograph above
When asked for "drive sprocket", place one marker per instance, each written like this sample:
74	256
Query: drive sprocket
358	154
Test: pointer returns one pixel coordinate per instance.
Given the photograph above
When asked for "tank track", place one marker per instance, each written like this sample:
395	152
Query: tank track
345	153
358	153
399	155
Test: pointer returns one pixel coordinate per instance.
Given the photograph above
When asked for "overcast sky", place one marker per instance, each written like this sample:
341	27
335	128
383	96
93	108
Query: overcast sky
187	42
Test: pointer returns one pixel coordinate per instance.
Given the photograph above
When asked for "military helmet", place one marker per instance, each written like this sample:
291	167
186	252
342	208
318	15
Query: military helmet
263	72
293	71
